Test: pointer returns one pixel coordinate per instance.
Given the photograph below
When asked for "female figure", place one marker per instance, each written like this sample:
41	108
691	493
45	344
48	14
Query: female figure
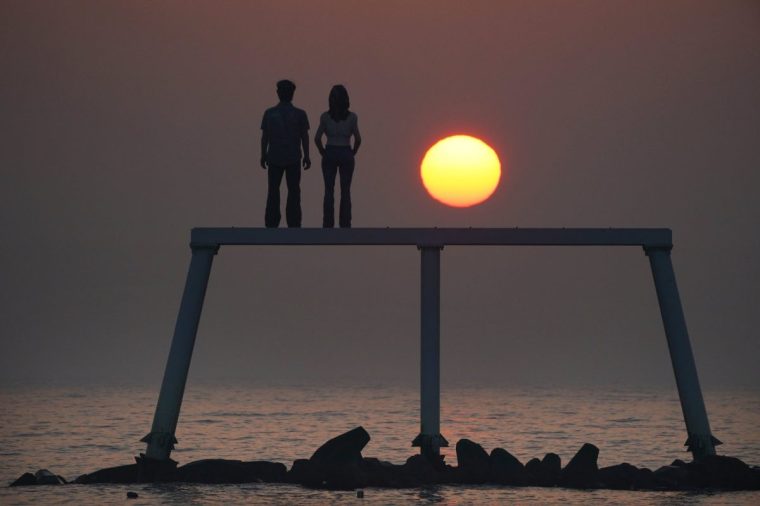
339	125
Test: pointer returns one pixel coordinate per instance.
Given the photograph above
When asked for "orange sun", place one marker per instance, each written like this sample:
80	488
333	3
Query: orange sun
460	171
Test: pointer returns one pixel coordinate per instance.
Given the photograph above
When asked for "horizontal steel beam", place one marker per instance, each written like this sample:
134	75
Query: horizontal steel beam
647	237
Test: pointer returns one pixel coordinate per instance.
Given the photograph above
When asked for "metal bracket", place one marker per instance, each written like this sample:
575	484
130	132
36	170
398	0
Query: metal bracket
163	439
203	245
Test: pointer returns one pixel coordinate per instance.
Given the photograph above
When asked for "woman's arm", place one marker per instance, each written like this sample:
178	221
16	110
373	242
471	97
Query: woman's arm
318	136
357	136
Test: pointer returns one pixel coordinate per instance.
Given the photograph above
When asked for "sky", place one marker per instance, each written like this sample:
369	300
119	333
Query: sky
126	123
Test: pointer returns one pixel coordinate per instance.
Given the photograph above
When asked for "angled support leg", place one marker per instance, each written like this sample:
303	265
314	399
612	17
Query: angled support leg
430	440
155	463
700	441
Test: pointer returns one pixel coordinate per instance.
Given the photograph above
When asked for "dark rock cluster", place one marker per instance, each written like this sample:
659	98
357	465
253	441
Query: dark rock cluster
41	477
339	465
201	471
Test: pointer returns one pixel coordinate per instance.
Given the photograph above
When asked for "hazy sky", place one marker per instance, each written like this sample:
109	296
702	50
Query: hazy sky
125	124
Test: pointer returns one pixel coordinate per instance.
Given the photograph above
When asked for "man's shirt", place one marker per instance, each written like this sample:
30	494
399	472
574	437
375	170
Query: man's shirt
285	125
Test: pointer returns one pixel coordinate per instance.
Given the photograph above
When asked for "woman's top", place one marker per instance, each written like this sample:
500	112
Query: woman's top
338	132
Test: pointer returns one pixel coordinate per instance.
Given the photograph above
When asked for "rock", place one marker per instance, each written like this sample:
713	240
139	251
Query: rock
550	471
620	477
24	480
45	477
421	470
474	462
346	477
337	464
679	463
118	474
533	470
41	477
719	471
132	495
505	468
645	479
268	472
672	478
582	470
304	472
380	473
447	473
346	448
150	470
231	471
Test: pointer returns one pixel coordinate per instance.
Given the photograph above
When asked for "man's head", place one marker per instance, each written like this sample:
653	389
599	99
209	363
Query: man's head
285	90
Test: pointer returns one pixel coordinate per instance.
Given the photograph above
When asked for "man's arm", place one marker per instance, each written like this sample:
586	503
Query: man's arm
305	147
305	142
264	140
264	145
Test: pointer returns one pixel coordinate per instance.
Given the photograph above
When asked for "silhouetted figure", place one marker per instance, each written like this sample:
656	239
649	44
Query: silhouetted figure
284	133
338	124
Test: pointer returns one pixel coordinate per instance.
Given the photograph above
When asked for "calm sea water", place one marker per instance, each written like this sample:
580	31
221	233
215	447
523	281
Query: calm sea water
75	430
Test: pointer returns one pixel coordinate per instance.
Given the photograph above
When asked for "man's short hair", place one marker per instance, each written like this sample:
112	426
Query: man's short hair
285	90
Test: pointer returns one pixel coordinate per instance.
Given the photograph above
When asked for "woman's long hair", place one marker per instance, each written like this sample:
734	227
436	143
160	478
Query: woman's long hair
339	103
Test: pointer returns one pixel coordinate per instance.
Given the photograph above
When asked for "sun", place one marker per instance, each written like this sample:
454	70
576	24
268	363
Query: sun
460	171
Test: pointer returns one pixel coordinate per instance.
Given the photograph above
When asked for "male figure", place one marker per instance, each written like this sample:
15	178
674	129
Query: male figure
284	133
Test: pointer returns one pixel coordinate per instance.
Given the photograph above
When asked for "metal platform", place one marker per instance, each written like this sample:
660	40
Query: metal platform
205	243
646	237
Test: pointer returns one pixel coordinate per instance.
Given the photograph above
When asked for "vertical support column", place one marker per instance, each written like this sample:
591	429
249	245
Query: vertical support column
429	439
155	462
700	441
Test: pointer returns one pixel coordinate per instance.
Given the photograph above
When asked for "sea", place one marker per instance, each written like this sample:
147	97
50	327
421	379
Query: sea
72	430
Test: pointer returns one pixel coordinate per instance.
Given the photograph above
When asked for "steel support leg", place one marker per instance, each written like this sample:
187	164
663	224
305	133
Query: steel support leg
155	461
700	441
430	440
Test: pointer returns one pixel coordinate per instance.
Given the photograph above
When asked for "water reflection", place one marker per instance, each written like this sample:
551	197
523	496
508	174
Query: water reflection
78	430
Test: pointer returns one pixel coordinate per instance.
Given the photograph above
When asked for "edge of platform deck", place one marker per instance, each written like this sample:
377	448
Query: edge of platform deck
646	237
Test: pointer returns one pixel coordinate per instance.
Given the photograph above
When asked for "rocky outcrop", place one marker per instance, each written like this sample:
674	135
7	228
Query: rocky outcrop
24	480
726	473
672	478
41	477
420	470
506	469
339	464
231	471
474	462
305	473
710	472
118	474
582	470
550	471
620	477
344	449
384	474
533	469
45	477
201	471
